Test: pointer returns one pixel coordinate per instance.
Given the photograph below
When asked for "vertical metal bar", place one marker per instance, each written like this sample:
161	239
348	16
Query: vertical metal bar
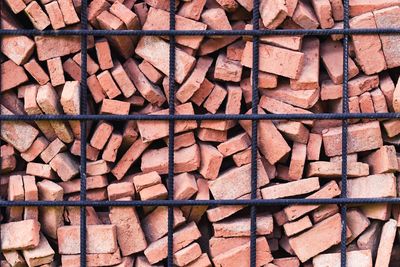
254	135
345	104
171	140
83	110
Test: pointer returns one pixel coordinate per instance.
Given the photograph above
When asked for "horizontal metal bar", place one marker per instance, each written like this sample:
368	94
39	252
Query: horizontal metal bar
316	116
233	202
316	32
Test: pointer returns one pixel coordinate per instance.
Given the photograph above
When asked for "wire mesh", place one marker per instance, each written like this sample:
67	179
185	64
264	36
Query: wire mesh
253	202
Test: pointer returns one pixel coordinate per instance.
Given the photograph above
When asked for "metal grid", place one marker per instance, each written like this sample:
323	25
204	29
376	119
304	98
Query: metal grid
84	32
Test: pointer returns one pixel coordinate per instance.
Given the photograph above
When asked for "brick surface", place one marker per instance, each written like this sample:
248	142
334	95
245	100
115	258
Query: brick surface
20	235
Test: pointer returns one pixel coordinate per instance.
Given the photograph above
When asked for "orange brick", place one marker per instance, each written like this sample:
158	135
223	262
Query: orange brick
91	152
241	226
20	235
126	15
98	167
56	71
378	185
70	102
108	84
150	72
68	12
16	6
95	8
323	11
211	160
55	15
383	160
294	188
36	148
40	170
37	16
17	48
42	254
103	53
187	254
56	46
357	223
121	78
15	193
216	19
297	161
295	227
314	146
120	190
91	65
185	186
273	13
145	180
101	135
12	75
334	169
65	166
110	106
111	149
324	212
192	10
386	243
36	71
387	86
227	70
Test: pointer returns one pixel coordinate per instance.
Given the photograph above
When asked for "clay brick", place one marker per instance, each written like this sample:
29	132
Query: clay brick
328	232
108	84
31	194
294	131
91	65
379	101
184	62
332	58
116	107
273	12
323	11
357	86
12	75
48	47
330	190
366	104
17	48
130	156
324	212
357	223
55	15
72	69
121	78
158	191
93	259
141	10
100	239
39	255
120	190
289	262
295	227
386	243
70	102
101	135
278	60
387	86
358	7
41	170
241	226
367	46
195	80
68	12
56	71
227	70
20	235
354	258
98	167
155	224
48	101
153	130
235	182
36	71
95	8
36	148
378	185
392	127
111	149
334	169
241	254
17	133
185	186
128	228
294	188
212	135
377	211
187	254
235	144
383	160
157	250
92	182
126	15
65	166
234	51
16	6
314	146
297	161
13	258
361	137
52	150
91	152
192	9
145	180
202	261
103	53
216	19
218	245
15	193
369	239
37	16
150	72
182	140
304	16
150	92
211	160
309	76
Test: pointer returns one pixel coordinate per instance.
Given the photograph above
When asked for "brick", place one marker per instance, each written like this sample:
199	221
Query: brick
52	150
297	161
387	86
95	8
392	127
130	156
379	101
215	99
378	185
368	46
295	227
212	135
357	223
101	135
111	149
68	12
60	46
155	224
36	71
55	15
314	146
216	19
70	102
386	243
294	131
93	259
16	6
47	99
187	254
14	258
56	71
234	51
41	170
91	65
150	72
100	239
12	75
20	235
278	61
227	185
92	182
357	86
304	16
377	211
37	16
185	186
195	80
328	232
98	167
31	194
103	53
211	160
354	258
157	250
309	76
36	148
241	254
235	144
120	190
15	193
17	48
334	169
145	180
17	133
150	92
323	11
241	226
111	106
366	104
121	78
382	160
91	152
153	130
323	212
332	58
158	191
329	190
125	14
227	70
107	83
192	10
128	228
202	261
294	188
273	12
361	137
39	255
148	44
141	10
289	261
358	7
65	166
369	239
182	140
186	160
218	245
72	69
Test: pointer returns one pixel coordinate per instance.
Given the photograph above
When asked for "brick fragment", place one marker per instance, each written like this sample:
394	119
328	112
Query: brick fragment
20	235
70	102
36	148
111	149
158	191
354	258
297	161
98	167
17	48
120	190
328	232
100	239
227	70
294	131
56	71
227	185
192	9
216	19
304	16
378	185
289	262
294	188
55	15
278	60
273	12
235	144
12	75
37	16
187	254
14	258
42	254
386	243
95	8
383	160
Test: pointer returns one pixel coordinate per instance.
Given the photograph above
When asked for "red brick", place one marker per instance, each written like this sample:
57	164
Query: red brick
91	65
121	78
93	259
383	160
16	6
378	185
56	71
120	190
13	258
323	10
273	12
202	261
65	166
48	47
72	69
37	16
17	48
98	167
241	226
141	10
36	148
70	102
92	182
36	71
111	149
187	254
91	152
110	106
41	170
42	254
314	146
68	12
227	70
386	243
108	84
31	194
356	258
211	160
295	227
95	8
15	193
101	135
334	169
100	239
103	53
150	72
55	15
20	235
294	188
324	212
289	262
145	180
216	19
126	15
358	7
12	75
185	186
357	223
192	10
297	161
304	16
158	191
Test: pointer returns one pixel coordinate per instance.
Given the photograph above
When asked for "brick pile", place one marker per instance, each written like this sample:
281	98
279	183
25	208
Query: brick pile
128	160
